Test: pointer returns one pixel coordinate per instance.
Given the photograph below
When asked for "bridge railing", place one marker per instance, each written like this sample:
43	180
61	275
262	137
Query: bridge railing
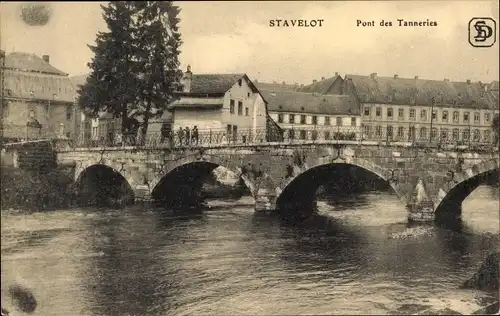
306	135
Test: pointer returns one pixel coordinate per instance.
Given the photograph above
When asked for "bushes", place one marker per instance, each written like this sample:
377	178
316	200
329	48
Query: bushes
28	190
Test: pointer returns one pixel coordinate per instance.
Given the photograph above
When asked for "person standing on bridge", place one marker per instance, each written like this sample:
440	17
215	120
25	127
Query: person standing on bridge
180	134
188	136
195	135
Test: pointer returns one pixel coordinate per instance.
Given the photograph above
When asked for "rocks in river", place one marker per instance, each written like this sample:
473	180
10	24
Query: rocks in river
411	233
488	276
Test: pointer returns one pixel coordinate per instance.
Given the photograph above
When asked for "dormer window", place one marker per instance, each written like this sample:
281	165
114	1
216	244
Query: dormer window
239	82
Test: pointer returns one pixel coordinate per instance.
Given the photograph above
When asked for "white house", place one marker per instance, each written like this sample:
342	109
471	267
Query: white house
227	104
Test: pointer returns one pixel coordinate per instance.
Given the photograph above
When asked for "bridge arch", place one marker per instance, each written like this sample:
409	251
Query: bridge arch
181	183
462	184
99	184
315	174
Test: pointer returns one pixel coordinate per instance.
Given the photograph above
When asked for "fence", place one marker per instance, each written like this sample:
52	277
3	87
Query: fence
323	134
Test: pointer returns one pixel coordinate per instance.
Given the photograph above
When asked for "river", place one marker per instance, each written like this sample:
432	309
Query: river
358	256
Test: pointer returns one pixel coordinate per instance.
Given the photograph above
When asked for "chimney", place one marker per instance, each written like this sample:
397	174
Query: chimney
468	81
336	74
446	80
283	83
416	77
187	79
314	81
396	76
302	85
46	58
322	78
373	75
256	81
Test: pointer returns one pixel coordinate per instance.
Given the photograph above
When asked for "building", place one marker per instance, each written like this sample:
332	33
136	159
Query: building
419	110
395	108
221	104
38	99
314	116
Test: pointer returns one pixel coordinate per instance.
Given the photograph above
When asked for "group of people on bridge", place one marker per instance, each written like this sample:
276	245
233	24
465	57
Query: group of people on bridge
185	136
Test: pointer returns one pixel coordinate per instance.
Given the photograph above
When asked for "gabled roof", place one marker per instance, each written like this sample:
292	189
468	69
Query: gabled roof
37	86
390	90
297	102
322	86
31	63
78	80
213	83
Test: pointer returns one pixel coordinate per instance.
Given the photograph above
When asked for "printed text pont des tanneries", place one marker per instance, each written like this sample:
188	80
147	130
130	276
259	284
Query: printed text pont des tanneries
398	22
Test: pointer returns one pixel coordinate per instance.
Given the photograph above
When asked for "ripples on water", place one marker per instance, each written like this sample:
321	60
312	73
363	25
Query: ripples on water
357	256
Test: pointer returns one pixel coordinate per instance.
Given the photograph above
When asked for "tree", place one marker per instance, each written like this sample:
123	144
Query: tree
110	86
496	128
157	64
136	62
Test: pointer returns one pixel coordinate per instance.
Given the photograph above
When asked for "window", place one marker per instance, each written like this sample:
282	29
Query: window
444	116
434	133
367	130
327	120
69	112
455	116
389	131
378	112
240	108
94	131
229	130
231	106
476	117
47	108
412	114
466	117
444	134
486	117
353	121
235	132
423	133
455	134
423	115
487	135
302	119
247	113
367	111
389	113
6	109
68	134
291	118
291	133
248	95
314	120
314	135
280	118
32	114
378	131
434	115
339	121
477	135
411	132
327	135
302	134
465	135
239	82
401	114
401	131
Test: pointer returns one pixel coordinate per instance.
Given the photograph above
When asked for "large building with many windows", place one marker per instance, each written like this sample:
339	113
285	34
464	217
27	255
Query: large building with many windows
312	116
413	109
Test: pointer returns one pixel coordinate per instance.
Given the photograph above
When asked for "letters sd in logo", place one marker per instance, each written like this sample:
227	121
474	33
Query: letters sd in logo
482	32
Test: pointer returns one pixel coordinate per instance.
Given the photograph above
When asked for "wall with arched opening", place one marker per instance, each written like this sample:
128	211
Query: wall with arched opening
299	193
182	186
100	184
450	205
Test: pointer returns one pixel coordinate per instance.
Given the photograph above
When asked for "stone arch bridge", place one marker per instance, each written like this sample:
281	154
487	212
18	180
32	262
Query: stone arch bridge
279	176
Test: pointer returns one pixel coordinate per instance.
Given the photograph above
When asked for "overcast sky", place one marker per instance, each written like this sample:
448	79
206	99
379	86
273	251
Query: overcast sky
225	37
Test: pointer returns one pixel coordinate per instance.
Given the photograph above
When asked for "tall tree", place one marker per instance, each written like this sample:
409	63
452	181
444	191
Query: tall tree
110	87
157	63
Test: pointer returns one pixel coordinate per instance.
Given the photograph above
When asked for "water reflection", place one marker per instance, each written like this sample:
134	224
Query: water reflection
357	256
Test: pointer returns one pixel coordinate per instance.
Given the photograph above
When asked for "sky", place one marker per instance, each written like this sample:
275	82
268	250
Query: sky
235	37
